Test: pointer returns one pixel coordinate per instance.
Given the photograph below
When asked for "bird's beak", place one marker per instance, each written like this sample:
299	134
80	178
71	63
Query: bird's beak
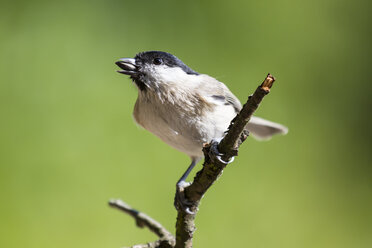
127	65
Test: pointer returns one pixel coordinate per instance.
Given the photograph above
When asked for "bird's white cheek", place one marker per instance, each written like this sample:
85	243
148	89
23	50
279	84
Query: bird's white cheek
174	75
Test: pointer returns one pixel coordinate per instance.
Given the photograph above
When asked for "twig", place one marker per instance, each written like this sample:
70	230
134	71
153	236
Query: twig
155	244
213	167
143	220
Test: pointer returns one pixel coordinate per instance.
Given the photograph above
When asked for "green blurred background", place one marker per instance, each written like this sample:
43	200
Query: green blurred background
68	141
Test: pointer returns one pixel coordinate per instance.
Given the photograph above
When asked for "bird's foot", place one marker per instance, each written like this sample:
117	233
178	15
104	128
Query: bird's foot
180	201
218	155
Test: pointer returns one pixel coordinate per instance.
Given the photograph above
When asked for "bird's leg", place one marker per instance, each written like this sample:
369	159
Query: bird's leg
214	149
180	201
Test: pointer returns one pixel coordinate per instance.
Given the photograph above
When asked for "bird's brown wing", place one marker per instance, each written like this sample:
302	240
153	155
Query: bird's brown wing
219	92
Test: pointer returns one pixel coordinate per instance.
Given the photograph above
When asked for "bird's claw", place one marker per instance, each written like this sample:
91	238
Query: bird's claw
218	155
180	201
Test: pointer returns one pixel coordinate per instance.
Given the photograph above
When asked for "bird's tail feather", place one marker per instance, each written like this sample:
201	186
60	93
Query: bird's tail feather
263	129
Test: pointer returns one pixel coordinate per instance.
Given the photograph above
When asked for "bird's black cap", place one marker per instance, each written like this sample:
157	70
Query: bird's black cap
165	58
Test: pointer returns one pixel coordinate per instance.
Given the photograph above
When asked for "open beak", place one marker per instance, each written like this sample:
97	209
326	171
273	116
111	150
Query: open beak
127	65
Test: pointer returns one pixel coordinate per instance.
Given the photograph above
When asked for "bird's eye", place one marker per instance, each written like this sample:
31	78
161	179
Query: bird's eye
158	61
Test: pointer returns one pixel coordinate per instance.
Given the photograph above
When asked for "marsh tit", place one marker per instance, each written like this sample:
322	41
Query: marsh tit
184	108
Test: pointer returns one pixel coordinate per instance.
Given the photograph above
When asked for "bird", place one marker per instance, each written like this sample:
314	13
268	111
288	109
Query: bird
184	108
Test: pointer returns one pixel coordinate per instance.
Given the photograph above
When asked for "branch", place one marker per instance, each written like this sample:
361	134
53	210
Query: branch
143	220
230	143
213	167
